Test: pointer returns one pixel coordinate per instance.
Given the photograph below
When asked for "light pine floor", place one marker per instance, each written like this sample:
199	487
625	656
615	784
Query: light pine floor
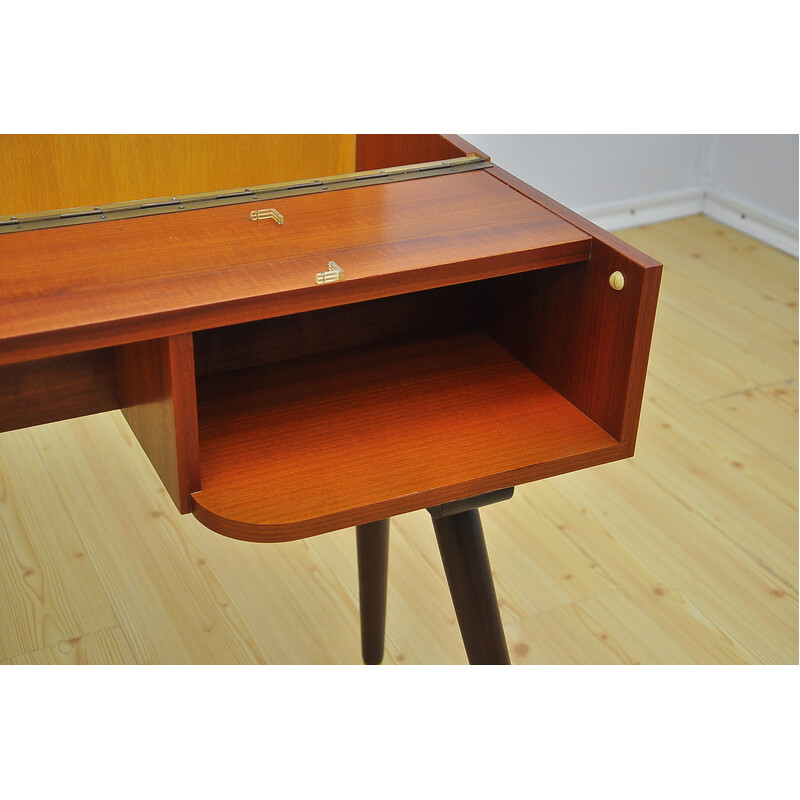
687	553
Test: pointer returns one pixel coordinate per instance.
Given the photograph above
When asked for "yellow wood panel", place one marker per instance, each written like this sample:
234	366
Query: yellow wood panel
42	172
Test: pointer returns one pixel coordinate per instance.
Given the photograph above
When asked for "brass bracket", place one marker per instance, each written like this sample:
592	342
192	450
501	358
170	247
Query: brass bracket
334	273
267	213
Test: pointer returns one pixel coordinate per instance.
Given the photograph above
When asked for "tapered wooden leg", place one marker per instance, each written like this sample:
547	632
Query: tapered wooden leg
372	541
466	565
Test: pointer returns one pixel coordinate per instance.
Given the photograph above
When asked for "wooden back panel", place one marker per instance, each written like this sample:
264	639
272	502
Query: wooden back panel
379	150
43	172
405	316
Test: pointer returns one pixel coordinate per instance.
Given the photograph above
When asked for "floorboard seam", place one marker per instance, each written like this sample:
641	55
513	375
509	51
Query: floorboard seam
8	661
722	421
782	382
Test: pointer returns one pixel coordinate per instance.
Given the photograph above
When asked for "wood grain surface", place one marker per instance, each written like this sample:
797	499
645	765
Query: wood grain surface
98	647
315	444
43	172
282	338
158	399
379	150
49	592
606	344
685	554
50	389
69	289
588	341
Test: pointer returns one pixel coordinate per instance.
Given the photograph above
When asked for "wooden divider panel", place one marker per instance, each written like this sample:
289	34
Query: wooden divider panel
159	401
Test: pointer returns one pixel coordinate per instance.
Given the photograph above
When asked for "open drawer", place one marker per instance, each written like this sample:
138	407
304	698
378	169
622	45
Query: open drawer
351	352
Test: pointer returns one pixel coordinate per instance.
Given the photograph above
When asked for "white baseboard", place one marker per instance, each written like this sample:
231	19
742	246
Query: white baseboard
752	221
722	208
646	210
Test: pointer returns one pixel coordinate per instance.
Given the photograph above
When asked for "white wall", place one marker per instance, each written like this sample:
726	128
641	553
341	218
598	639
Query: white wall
747	181
582	171
759	170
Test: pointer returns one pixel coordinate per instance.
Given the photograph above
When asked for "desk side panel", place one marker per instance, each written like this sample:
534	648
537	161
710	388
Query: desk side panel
159	401
588	341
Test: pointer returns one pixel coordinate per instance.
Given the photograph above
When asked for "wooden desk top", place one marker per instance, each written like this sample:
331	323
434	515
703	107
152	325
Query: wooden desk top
76	288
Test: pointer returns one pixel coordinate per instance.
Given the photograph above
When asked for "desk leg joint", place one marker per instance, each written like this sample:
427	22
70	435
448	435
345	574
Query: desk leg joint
462	546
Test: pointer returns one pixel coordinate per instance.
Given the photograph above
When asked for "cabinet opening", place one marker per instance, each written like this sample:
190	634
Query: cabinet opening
334	417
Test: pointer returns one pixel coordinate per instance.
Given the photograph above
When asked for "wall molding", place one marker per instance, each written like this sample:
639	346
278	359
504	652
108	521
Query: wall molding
723	208
753	221
645	210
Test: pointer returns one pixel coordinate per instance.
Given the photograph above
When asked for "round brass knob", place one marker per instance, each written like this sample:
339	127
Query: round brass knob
616	281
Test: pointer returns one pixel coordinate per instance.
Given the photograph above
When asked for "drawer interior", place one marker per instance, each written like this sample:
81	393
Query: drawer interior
340	416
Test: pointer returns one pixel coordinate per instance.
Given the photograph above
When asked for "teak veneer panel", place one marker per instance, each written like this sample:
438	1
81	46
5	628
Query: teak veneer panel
590	344
381	150
315	444
52	389
158	399
609	346
233	347
577	333
94	285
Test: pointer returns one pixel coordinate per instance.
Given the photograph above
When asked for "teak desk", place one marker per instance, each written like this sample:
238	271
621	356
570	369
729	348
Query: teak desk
427	332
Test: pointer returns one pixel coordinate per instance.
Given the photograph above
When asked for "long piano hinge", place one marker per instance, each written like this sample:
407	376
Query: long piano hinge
167	205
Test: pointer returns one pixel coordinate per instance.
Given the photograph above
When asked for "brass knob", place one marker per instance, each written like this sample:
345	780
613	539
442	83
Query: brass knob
617	280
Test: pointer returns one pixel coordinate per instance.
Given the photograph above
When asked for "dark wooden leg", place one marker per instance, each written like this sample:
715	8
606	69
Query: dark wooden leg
466	565
372	541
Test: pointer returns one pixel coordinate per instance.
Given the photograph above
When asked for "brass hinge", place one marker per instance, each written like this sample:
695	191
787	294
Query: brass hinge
268	192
